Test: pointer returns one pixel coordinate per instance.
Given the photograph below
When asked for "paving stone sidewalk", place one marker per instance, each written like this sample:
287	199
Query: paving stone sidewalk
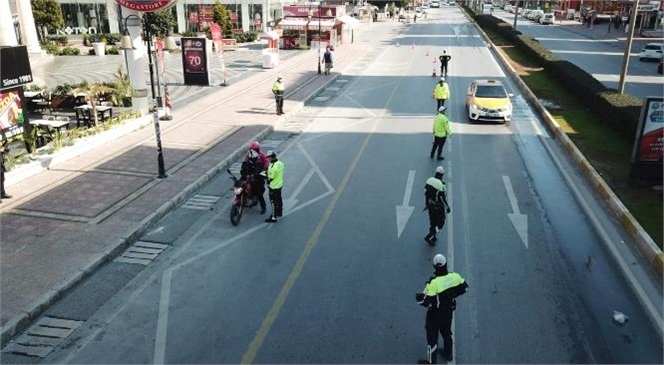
64	223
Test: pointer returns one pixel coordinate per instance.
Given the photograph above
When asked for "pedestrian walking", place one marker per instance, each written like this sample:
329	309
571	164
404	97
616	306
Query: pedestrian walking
439	298
278	91
444	60
441	92
327	60
275	181
3	151
435	199
441	131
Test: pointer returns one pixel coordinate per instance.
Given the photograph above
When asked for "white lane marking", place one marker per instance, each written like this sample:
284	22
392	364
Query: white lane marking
405	210
315	167
510	194
519	221
162	320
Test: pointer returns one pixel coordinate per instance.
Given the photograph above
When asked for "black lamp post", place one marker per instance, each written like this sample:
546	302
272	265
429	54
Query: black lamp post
127	44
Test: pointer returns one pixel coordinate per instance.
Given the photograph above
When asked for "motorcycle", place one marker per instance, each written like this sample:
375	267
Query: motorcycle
243	197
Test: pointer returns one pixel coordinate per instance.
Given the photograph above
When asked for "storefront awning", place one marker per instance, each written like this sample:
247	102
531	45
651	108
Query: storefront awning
293	23
325	25
349	20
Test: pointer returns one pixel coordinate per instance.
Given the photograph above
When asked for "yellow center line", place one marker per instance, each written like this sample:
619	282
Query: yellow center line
262	332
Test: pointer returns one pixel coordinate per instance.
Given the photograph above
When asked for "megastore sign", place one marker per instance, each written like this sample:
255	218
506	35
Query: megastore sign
146	5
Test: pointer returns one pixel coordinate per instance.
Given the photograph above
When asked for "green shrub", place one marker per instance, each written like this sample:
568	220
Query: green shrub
91	52
51	49
108	38
112	50
60	40
86	39
188	33
70	51
243	37
63	90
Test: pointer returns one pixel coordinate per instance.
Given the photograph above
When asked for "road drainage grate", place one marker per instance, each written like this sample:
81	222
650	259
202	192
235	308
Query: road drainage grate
40	339
201	202
141	253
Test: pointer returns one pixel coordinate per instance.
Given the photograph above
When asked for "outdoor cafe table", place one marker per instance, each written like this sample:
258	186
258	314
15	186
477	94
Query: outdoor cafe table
101	110
49	125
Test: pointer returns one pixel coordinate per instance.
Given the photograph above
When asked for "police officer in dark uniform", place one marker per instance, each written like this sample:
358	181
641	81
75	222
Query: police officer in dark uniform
444	59
439	298
436	203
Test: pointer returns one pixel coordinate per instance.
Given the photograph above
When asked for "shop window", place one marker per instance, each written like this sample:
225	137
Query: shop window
88	18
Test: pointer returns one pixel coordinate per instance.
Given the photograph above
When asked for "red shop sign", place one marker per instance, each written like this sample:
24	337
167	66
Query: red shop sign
147	6
194	56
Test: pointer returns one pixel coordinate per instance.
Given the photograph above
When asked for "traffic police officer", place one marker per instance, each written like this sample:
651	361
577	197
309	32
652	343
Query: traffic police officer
278	91
436	203
439	297
441	130
444	59
275	181
441	92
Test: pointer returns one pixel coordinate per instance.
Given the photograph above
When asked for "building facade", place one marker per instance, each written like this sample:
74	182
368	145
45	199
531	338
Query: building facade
102	16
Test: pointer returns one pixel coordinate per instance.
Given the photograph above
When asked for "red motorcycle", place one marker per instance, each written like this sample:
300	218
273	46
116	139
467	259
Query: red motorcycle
244	197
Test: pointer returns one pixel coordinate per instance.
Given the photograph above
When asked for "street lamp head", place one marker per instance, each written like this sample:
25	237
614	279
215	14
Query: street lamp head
126	42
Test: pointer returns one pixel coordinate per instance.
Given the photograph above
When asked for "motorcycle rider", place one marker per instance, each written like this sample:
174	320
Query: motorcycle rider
261	155
439	298
435	197
251	171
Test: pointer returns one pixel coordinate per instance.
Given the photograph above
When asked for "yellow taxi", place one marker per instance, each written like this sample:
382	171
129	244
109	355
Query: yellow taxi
487	100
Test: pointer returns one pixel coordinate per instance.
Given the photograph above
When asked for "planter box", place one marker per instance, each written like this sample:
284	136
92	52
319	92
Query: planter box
100	48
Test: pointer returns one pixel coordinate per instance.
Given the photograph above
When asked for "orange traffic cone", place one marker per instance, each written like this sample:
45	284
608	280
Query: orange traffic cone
433	74
427	53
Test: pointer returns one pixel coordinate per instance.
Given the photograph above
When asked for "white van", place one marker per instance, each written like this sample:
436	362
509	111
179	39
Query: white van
435	4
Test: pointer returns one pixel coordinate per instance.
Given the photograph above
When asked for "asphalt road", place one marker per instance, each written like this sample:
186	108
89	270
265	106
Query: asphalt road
334	281
602	58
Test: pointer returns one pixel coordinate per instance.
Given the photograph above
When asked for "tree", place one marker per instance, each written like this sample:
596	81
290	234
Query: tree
222	17
160	23
48	15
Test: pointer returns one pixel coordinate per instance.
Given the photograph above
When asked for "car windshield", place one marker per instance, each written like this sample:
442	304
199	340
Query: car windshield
490	91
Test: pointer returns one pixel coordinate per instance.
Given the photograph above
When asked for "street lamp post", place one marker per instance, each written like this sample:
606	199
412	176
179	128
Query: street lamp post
319	35
126	45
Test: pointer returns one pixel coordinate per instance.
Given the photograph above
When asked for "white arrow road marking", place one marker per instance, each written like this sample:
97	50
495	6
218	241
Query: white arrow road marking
405	210
519	221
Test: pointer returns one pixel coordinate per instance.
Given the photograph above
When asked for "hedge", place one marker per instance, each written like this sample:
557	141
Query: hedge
620	111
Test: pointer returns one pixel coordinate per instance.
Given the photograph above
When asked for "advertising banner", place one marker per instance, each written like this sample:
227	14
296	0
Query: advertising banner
648	149
12	116
15	70
195	61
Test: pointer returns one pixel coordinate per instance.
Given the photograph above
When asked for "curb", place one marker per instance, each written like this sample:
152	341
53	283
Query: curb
644	243
20	322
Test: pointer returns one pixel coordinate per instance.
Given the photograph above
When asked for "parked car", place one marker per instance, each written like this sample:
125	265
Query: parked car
547	18
451	3
435	4
487	100
509	8
652	51
534	15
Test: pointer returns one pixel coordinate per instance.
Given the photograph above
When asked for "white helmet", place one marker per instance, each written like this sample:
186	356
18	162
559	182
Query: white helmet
442	79
271	154
439	260
252	154
440	170
442	109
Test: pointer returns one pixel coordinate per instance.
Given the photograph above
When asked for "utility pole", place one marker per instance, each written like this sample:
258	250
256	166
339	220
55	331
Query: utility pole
628	48
516	15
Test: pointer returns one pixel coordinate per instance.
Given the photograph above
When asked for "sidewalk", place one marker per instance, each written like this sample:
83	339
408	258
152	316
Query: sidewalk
64	223
601	32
